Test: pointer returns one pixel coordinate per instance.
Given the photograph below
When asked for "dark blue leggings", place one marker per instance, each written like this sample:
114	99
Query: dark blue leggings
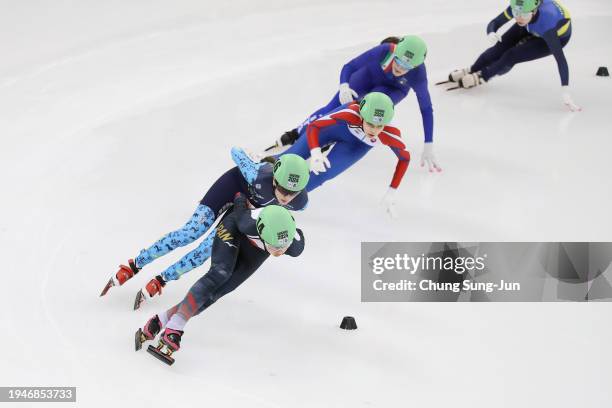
517	45
221	194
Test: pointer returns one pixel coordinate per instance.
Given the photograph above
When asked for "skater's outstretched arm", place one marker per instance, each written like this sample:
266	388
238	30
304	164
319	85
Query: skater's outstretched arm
241	203
554	44
391	136
245	218
500	20
350	115
248	167
375	54
421	89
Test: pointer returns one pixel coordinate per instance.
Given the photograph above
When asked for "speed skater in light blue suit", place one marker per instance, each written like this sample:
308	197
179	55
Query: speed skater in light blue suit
386	69
262	183
543	28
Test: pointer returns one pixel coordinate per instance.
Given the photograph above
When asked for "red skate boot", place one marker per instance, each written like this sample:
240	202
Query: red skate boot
153	288
123	275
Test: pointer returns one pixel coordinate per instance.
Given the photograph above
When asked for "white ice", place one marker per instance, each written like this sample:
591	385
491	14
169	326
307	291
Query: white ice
116	116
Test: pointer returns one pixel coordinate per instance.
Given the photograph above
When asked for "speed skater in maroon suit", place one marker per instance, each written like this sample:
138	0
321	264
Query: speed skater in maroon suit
244	240
282	183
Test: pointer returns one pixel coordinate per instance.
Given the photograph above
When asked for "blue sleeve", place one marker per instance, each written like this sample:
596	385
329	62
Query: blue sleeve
500	20
247	167
421	90
396	94
375	54
554	44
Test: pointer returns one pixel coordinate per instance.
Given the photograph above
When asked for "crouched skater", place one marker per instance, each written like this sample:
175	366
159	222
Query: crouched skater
244	239
280	183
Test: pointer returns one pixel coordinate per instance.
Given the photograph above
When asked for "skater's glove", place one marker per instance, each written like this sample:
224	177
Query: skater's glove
346	94
568	101
318	162
388	202
428	157
494	38
240	201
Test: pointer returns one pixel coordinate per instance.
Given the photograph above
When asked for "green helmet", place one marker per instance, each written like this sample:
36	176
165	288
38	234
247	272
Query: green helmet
524	6
411	51
291	172
276	226
376	108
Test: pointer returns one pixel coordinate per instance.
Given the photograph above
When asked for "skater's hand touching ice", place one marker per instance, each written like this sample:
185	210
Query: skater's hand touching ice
389	202
346	94
428	157
568	101
318	162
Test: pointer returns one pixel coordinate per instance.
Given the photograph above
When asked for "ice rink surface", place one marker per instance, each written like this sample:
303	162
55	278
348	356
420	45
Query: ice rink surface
116	116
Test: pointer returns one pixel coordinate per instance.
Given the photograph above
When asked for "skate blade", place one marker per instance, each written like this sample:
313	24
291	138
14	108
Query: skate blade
109	285
139	339
453	88
274	146
274	150
159	355
140	298
444	82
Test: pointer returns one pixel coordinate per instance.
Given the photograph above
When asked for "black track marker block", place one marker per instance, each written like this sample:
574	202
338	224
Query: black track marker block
603	72
348	323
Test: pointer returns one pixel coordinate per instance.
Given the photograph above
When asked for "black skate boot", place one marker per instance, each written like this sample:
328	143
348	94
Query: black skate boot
392	40
148	332
169	342
287	139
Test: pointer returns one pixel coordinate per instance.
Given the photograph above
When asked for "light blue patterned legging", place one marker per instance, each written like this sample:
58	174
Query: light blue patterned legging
202	219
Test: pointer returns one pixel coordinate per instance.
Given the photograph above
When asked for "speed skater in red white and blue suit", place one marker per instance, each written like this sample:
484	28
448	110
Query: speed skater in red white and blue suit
352	136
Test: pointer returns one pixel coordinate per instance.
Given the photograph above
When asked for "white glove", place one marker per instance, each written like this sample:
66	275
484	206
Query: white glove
318	162
428	157
388	202
494	38
567	99
346	93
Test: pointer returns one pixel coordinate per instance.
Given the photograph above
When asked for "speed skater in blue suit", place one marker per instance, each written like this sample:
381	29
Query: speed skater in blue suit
543	28
393	68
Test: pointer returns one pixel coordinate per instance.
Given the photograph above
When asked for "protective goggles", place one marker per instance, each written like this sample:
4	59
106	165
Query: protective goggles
286	192
272	248
518	13
405	65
